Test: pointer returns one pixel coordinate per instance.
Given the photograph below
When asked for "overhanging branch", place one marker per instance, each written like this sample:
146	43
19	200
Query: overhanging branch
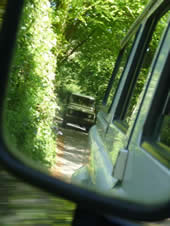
76	47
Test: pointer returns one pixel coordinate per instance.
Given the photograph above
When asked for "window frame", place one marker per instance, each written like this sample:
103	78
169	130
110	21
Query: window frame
151	131
134	71
116	69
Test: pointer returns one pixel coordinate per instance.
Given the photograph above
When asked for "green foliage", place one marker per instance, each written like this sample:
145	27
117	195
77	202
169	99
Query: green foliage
165	131
89	34
31	101
62	46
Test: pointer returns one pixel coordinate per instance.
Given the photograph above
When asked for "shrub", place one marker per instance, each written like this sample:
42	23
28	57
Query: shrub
31	101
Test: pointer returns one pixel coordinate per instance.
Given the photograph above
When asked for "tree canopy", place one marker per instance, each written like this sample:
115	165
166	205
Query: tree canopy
89	34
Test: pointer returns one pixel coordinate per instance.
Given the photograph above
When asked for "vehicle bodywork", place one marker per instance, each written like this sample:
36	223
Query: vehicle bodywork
130	161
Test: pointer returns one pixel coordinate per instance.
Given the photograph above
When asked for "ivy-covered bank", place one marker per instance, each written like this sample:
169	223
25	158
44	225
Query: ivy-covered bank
31	100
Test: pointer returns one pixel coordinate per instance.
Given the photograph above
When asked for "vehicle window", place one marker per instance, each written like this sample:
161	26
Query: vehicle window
82	100
118	70
136	89
164	133
156	129
156	137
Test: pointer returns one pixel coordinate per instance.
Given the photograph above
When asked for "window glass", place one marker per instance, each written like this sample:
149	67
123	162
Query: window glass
164	135
78	99
119	68
142	76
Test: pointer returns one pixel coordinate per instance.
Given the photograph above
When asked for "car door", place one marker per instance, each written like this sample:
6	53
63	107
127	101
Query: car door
114	128
147	172
131	88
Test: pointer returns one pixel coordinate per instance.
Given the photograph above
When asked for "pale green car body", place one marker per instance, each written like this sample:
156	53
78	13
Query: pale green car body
132	162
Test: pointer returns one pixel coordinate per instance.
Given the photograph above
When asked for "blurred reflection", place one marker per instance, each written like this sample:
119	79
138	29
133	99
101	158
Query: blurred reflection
21	204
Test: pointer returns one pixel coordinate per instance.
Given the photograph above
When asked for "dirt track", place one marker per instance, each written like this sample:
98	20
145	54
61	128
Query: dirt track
71	152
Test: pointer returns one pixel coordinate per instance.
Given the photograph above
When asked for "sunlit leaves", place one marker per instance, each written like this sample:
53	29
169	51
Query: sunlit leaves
70	43
91	30
31	102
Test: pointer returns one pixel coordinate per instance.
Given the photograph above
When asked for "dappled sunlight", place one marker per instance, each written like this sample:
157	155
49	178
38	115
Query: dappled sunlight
71	153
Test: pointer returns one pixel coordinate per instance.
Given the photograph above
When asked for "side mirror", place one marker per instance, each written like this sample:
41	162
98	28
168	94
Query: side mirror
88	197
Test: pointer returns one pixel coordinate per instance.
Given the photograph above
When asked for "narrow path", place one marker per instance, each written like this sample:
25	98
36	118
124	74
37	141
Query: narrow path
71	153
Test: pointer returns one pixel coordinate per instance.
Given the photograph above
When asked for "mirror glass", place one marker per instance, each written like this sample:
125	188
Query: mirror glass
63	60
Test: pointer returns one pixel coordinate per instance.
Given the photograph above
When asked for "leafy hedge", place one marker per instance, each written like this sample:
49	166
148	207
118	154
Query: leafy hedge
31	101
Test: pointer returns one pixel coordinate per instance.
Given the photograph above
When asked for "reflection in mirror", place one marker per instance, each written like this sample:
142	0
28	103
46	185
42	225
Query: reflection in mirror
143	74
124	55
45	106
61	66
30	100
51	68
